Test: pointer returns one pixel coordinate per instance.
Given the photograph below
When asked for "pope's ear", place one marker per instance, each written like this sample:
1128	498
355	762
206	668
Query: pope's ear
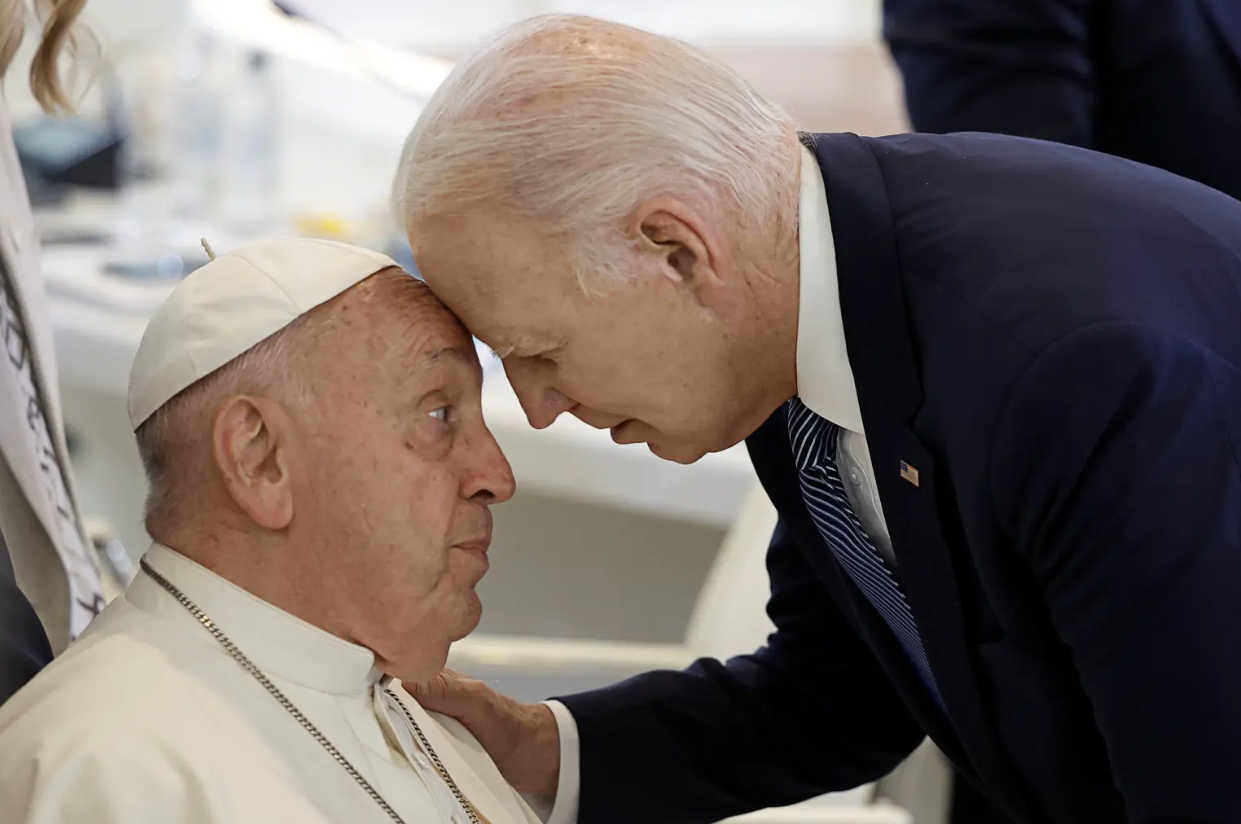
252	459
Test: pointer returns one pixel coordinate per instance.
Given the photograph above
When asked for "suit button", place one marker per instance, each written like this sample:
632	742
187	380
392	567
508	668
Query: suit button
855	477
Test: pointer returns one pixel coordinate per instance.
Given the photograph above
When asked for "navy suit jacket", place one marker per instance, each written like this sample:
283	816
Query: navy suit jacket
24	648
1052	338
1158	81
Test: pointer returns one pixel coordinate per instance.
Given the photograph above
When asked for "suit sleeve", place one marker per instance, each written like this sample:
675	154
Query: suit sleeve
1015	67
1115	471
809	713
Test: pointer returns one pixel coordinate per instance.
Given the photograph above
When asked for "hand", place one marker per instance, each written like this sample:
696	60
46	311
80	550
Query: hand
522	739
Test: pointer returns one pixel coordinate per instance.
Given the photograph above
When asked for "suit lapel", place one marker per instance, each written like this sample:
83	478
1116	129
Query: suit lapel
882	355
925	567
773	460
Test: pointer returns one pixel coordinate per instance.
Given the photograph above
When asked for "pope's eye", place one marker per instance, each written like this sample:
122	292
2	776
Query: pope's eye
440	414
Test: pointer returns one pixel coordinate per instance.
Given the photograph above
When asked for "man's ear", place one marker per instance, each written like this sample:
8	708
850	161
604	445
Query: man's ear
253	460
687	242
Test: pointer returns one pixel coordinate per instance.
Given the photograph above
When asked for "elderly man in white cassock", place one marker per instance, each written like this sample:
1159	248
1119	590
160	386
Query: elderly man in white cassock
309	415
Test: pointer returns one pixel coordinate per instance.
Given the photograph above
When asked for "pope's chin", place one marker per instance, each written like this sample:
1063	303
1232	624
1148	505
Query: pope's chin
471	613
473	565
420	656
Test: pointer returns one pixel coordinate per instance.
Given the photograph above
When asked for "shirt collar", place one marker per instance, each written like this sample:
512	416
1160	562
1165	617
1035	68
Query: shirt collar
824	377
276	642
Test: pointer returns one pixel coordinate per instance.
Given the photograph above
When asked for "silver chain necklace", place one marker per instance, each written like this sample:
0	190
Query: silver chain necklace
336	754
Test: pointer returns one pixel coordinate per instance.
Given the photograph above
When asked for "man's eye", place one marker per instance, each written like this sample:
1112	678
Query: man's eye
440	414
550	355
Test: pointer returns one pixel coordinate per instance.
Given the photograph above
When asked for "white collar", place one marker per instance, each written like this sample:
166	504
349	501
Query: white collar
278	643
824	377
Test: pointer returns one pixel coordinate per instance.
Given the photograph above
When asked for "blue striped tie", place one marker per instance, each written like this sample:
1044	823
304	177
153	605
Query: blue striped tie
813	440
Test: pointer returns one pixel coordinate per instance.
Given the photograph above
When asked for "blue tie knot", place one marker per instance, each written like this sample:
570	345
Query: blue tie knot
812	438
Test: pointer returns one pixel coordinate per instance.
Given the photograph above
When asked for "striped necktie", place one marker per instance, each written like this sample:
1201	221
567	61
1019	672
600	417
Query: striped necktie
813	440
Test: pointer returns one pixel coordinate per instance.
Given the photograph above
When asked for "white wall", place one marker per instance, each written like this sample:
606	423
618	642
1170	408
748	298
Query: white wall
444	27
116	28
124	27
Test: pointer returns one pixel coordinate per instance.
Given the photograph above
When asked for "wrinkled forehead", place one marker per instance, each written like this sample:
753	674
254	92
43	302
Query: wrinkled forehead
492	269
391	325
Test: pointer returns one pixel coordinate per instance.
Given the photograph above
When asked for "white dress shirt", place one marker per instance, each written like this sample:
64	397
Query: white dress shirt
825	384
147	718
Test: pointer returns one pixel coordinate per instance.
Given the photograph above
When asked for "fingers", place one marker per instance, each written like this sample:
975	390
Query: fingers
451	693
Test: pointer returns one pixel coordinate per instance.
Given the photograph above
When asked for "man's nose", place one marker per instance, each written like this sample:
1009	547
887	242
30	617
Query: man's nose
491	479
541	402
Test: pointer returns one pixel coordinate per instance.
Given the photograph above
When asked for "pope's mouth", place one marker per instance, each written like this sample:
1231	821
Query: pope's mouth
479	546
476	553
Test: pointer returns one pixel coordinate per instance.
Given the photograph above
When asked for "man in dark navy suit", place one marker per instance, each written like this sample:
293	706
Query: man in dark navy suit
992	385
1150	80
1158	81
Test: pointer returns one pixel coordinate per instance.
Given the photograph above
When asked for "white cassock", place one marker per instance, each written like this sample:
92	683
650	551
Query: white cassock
147	718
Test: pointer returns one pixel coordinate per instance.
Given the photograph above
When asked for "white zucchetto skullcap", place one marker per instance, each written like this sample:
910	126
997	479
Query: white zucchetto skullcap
236	301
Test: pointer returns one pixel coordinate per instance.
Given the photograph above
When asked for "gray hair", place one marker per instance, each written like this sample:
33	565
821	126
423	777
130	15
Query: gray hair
572	122
175	442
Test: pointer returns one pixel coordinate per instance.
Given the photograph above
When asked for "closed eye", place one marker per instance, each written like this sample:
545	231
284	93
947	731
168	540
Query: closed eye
548	353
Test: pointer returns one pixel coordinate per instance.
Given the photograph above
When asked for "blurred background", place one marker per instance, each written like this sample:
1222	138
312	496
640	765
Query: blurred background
232	119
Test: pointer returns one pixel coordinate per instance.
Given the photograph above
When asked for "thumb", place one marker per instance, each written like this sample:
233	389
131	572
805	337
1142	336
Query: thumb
453	694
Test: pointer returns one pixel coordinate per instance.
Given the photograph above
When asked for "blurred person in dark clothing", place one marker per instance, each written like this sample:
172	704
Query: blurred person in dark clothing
1156	81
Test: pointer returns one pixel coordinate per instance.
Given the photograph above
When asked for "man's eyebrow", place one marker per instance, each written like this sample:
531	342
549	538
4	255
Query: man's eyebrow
446	352
526	343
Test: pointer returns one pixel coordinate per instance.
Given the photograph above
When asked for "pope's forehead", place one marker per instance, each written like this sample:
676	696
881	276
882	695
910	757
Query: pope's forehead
389	313
421	330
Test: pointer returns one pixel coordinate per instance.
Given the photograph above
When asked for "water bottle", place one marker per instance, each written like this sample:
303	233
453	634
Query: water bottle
251	186
195	128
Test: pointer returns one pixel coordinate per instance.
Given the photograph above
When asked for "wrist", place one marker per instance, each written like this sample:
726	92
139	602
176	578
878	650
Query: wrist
543	735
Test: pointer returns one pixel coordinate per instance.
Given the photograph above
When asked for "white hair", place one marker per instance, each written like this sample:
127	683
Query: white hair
571	122
174	443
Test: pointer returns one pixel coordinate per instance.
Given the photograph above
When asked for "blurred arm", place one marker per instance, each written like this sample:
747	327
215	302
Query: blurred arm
1016	67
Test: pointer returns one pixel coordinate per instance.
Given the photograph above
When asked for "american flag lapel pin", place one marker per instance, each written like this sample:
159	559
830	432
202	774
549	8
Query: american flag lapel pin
909	473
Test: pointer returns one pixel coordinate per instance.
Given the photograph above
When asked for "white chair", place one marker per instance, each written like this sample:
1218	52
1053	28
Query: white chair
728	619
